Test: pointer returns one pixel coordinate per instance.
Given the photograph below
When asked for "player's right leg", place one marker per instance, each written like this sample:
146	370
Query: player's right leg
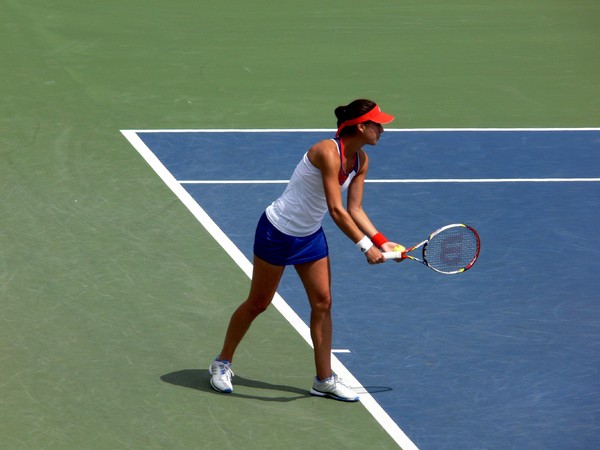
265	280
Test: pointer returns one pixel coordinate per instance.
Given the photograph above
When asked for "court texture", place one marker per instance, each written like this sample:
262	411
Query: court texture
139	143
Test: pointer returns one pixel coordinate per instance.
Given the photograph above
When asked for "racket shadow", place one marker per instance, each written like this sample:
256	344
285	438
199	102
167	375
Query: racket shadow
199	380
375	389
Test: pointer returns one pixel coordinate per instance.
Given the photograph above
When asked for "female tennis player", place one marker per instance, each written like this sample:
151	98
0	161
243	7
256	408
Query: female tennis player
290	233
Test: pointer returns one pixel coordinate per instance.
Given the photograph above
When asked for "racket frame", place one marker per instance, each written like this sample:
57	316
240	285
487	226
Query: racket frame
404	255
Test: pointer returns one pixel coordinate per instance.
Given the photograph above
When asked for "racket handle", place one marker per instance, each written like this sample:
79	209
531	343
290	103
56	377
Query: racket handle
393	255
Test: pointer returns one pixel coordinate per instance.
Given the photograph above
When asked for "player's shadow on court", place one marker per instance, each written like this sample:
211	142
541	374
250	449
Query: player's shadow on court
199	380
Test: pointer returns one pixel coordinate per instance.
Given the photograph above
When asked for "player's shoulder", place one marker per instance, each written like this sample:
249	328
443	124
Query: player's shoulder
324	145
362	154
324	148
323	152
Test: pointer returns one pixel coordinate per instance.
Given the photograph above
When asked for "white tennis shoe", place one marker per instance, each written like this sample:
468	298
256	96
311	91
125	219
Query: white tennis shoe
333	387
221	375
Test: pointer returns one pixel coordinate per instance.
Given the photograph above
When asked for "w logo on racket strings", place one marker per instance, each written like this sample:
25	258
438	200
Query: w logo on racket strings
452	249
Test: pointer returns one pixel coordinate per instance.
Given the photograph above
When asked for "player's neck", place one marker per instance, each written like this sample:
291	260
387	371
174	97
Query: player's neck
351	145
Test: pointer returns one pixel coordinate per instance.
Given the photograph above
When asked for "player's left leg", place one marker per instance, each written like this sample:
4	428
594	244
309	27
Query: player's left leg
316	277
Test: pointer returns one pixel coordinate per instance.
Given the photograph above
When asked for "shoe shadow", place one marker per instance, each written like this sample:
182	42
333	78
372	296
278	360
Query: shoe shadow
199	380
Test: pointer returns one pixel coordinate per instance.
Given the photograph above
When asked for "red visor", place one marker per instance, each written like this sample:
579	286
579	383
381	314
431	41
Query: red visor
375	115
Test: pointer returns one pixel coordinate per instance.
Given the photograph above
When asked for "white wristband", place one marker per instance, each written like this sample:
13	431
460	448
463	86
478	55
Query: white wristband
364	244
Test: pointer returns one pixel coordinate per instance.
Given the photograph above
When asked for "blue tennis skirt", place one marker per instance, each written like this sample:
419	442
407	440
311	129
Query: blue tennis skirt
280	249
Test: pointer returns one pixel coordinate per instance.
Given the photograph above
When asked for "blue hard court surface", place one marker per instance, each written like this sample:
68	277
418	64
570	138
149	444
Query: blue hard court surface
504	356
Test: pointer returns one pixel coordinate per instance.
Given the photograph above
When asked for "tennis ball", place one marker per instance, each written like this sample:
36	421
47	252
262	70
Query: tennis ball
399	248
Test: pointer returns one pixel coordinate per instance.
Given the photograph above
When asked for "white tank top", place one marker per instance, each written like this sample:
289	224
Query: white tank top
299	211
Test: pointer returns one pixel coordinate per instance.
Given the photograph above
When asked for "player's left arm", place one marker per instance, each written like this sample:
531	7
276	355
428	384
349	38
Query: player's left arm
355	203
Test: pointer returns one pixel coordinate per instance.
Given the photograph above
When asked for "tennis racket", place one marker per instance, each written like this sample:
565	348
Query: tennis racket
449	250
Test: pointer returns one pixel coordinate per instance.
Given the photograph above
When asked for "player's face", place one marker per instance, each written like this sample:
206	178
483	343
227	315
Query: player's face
372	132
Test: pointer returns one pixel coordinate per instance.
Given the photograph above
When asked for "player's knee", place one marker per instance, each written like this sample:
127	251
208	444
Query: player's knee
321	303
256	307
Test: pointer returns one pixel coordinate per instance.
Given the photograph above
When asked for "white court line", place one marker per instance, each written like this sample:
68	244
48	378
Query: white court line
431	180
321	130
491	180
286	311
233	181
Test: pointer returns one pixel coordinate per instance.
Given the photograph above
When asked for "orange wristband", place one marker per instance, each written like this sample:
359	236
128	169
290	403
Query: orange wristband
379	239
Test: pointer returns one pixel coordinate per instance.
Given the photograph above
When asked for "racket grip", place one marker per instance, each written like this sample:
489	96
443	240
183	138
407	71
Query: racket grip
393	255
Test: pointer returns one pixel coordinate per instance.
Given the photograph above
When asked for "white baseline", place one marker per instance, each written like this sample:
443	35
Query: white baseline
429	180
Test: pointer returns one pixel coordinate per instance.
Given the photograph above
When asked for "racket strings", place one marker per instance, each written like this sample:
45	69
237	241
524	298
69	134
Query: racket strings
452	250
